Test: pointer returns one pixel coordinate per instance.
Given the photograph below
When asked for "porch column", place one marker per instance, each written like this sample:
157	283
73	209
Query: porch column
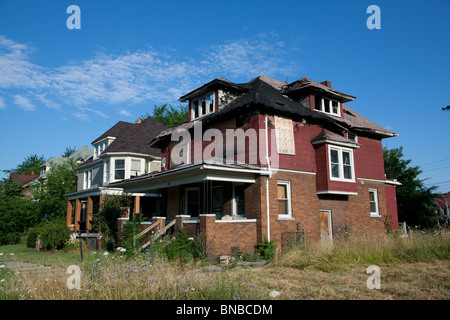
90	211
137	205
207	230
77	214
69	213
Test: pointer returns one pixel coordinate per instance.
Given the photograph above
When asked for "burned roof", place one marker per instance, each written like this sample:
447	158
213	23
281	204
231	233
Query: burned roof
271	96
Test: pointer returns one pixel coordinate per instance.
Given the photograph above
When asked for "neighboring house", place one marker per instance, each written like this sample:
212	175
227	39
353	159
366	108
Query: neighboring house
24	180
442	203
80	156
325	172
120	153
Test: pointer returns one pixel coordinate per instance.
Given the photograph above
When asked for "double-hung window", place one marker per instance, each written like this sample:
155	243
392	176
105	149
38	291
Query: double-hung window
373	201
341	164
135	167
119	169
284	199
88	179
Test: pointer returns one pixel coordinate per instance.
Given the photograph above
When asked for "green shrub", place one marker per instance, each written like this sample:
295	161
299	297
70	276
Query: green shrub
53	236
267	249
32	236
184	246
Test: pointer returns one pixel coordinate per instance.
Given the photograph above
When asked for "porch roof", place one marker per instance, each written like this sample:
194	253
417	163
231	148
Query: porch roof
192	173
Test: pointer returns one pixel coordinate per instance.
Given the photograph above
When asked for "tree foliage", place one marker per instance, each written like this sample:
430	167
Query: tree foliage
49	193
414	200
31	164
169	115
17	213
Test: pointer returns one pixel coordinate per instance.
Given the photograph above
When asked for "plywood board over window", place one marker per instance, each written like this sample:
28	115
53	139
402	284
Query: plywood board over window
284	133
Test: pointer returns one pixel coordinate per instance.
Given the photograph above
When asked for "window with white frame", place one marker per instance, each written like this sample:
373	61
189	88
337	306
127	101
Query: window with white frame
351	136
341	164
239	200
136	167
119	169
284	198
327	105
373	201
202	106
88	179
107	170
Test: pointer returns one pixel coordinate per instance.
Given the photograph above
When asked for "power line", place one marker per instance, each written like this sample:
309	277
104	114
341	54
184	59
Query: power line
428	170
428	163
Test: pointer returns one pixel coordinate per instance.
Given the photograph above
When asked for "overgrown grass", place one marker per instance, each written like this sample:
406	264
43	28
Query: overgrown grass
416	247
416	267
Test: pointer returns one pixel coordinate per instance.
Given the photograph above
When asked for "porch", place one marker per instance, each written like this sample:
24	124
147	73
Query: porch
220	203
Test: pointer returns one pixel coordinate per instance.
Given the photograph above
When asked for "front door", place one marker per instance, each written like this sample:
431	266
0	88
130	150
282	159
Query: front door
326	235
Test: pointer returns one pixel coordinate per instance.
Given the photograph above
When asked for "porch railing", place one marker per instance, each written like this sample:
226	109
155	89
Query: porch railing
155	236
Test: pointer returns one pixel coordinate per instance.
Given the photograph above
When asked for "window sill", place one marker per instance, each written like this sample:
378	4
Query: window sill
373	215
285	218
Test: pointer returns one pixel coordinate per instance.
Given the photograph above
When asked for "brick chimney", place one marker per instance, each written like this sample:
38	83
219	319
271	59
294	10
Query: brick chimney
326	83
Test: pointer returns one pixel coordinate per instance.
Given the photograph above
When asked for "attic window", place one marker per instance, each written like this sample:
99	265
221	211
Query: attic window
327	105
202	106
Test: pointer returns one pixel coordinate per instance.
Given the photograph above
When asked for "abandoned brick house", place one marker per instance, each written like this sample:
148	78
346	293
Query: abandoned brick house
263	158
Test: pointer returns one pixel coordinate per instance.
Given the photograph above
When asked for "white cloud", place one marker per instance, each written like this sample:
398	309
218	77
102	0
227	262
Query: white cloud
81	116
24	103
2	103
135	77
125	113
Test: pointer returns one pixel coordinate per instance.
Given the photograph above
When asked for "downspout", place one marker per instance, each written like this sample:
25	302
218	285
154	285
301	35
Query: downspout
267	181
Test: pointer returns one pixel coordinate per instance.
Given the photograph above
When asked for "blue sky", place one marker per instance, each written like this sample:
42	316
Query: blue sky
63	88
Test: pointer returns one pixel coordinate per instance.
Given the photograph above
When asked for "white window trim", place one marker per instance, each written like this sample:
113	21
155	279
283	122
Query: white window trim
322	106
341	164
199	106
235	215
87	179
287	216
377	213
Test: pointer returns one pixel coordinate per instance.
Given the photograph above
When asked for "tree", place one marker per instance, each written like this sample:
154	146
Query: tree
169	115
68	152
414	200
31	164
49	193
17	213
446	108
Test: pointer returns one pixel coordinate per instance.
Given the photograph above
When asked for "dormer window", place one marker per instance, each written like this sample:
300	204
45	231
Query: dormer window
327	105
99	147
202	106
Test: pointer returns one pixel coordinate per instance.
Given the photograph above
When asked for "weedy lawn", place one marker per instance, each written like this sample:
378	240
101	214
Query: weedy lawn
413	268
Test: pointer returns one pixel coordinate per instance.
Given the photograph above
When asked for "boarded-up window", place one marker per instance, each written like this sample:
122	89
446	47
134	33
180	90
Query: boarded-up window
284	132
284	197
